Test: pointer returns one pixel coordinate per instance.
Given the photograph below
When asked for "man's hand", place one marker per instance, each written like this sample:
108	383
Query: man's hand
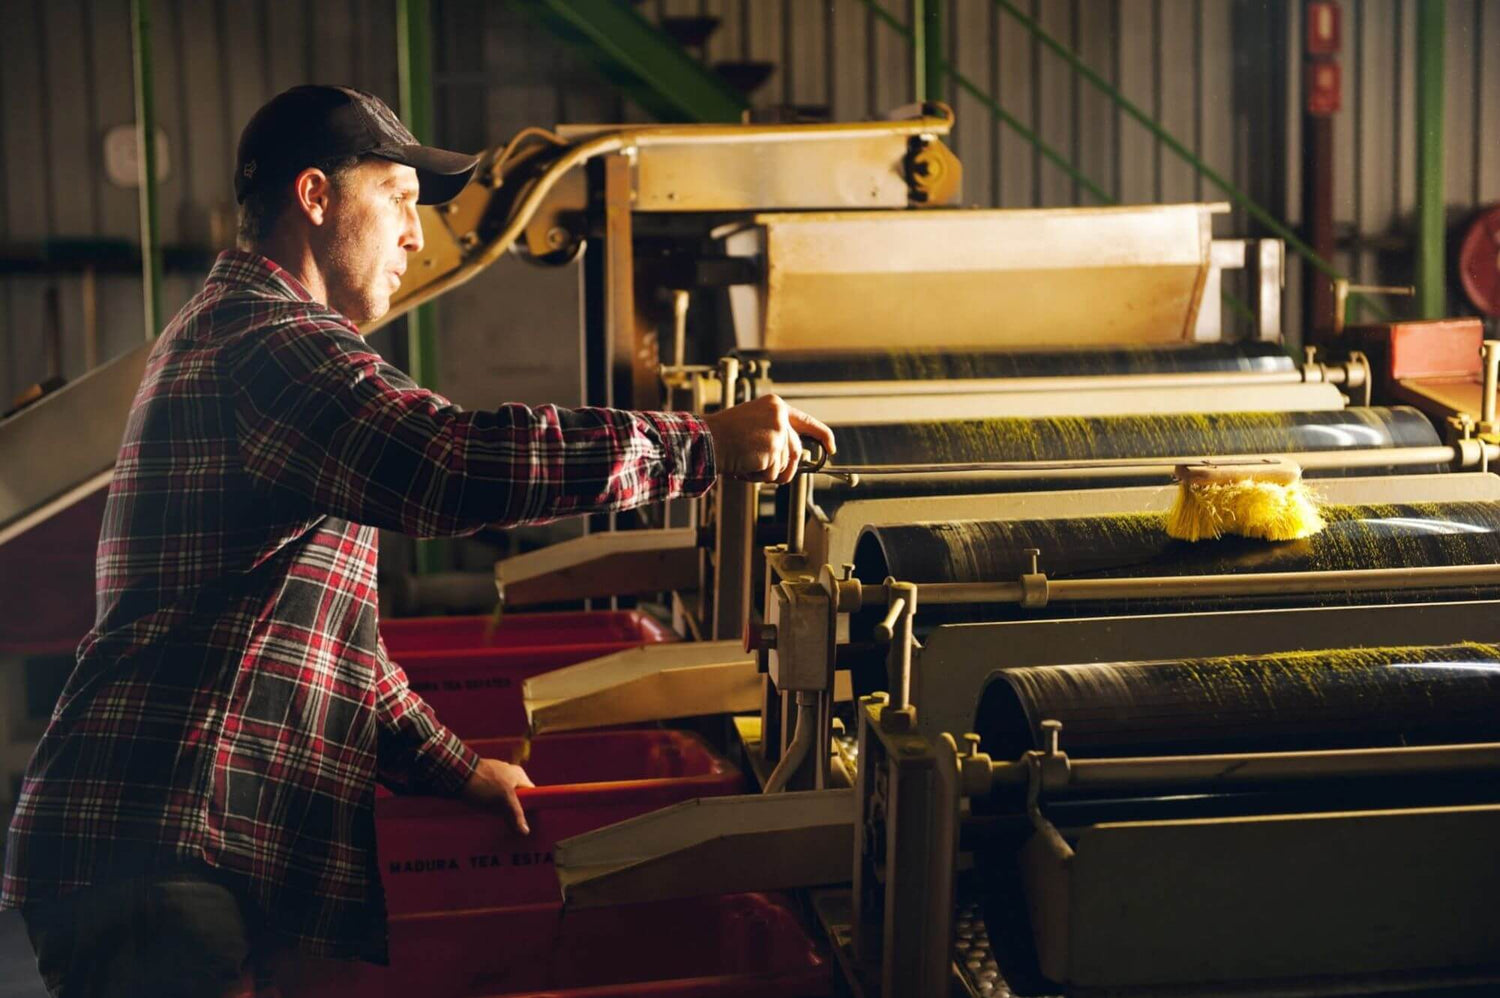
760	441
493	786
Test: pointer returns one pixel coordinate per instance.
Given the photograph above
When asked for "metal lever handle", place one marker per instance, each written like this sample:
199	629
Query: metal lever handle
815	462
886	629
814	456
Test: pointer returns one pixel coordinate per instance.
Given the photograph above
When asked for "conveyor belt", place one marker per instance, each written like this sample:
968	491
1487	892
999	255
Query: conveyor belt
875	365
1116	437
1385	536
1306	700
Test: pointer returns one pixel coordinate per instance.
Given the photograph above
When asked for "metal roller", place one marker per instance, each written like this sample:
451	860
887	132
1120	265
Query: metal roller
1117	437
1136	716
843	365
1136	546
1348	698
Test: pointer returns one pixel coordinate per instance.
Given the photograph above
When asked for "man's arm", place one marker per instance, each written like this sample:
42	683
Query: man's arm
324	422
415	752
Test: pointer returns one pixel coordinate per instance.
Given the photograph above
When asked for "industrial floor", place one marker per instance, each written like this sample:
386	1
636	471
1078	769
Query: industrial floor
18	978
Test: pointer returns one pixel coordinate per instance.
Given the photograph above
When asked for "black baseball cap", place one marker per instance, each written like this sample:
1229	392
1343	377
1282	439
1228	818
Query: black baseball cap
308	124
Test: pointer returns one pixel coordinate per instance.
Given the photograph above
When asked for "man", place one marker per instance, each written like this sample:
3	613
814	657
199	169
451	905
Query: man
200	810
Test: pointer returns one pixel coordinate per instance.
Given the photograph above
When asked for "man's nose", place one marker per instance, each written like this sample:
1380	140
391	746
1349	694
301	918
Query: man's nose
411	236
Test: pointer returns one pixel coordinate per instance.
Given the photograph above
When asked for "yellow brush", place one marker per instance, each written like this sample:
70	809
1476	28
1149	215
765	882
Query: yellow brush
1259	497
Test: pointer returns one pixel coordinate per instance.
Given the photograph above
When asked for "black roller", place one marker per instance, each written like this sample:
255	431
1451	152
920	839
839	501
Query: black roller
1371	698
1085	438
1306	700
934	365
1136	545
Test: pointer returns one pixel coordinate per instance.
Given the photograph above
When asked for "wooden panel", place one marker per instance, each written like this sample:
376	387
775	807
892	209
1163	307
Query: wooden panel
1017	161
380	74
331	49
1053	106
1137	147
210	138
1459	91
891	67
1376	151
286	25
1406	117
723	44
1180	91
804	38
244	80
1096	114
169	191
972	139
1489	105
114	103
1348	165
851	22
1216	108
762	24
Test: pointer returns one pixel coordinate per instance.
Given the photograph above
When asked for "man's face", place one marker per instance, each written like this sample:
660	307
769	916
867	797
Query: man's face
370	227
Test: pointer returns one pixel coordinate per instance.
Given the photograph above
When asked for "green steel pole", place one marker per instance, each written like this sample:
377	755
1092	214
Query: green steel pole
145	136
414	80
929	62
1431	221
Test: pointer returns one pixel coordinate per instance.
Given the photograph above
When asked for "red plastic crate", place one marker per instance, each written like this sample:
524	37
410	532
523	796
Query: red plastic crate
521	630
475	687
733	946
442	855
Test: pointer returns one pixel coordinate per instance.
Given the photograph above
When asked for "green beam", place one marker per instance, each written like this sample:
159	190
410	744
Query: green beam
414	81
1432	291
145	138
927	47
637	56
1239	197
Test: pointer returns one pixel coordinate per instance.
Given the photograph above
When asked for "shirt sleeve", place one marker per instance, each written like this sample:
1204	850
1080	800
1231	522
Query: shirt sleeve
415	753
324	421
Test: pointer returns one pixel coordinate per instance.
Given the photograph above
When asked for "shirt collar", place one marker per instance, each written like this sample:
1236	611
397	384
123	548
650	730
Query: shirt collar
235	269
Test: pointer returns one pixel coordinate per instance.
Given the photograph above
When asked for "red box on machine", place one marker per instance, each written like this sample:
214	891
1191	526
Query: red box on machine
442	855
733	946
473	681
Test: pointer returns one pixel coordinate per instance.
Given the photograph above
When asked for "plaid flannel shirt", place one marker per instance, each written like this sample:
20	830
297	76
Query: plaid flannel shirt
234	704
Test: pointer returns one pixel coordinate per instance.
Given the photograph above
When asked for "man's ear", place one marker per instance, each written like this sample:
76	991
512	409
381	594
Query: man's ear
311	192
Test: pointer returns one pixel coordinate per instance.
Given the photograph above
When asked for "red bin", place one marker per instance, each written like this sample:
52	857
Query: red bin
442	855
732	946
474	683
429	635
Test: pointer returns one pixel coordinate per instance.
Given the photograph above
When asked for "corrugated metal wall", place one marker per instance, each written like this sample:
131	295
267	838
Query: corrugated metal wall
1221	74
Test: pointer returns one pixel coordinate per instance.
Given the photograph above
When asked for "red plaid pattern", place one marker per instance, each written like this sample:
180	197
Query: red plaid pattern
234	704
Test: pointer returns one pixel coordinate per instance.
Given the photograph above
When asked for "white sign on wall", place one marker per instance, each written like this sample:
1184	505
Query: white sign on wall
122	156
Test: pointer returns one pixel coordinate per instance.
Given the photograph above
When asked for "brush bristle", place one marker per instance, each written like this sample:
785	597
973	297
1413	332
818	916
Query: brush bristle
1266	510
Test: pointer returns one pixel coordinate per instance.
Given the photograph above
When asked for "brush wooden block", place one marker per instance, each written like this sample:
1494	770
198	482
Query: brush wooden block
1229	471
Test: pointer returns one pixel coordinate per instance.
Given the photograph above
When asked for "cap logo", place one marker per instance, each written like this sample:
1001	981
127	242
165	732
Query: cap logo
249	170
385	117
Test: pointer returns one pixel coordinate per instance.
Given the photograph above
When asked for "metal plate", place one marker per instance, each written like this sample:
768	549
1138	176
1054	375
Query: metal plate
63	447
938	279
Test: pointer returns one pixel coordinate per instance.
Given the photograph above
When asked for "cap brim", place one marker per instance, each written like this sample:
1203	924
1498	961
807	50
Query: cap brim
441	174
